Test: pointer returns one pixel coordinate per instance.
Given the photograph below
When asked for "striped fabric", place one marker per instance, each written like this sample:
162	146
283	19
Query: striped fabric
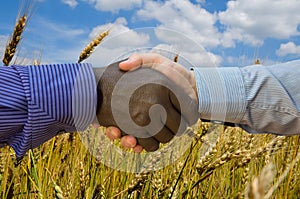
13	105
50	101
260	99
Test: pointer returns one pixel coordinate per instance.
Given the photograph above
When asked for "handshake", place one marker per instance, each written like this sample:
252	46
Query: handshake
155	100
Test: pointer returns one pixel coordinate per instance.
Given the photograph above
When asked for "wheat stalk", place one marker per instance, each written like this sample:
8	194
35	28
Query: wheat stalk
57	189
282	177
14	41
257	188
24	14
88	50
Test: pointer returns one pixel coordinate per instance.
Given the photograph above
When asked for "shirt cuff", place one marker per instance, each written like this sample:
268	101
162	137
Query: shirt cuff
60	97
221	93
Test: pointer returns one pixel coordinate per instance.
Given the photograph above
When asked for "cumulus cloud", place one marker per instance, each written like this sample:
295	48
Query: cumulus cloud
120	35
71	3
120	42
3	41
252	22
287	49
123	41
115	5
191	51
187	28
183	16
187	57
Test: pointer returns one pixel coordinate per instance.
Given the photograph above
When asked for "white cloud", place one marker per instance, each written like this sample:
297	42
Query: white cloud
120	42
120	35
3	42
184	28
241	60
252	22
186	47
123	41
185	17
50	30
71	3
288	48
187	57
193	27
115	5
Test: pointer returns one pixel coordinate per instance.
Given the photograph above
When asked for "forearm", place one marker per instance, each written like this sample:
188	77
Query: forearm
260	99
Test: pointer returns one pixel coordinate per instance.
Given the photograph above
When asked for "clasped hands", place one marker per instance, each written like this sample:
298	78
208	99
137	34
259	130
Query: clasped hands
146	100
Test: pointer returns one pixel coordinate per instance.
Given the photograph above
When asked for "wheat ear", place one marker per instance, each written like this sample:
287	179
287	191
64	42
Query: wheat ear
88	50
14	40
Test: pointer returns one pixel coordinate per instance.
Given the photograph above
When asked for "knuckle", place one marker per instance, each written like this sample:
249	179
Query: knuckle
140	118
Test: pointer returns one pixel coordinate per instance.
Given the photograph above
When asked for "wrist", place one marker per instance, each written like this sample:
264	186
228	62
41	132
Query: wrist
192	80
98	72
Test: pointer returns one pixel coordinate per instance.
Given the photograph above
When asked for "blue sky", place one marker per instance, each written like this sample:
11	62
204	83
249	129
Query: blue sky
205	33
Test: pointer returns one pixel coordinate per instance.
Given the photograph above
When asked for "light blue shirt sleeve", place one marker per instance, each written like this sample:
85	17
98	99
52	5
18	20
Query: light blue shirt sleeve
260	99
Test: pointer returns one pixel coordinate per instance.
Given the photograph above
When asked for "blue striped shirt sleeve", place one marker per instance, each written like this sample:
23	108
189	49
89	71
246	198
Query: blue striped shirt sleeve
260	99
13	105
58	98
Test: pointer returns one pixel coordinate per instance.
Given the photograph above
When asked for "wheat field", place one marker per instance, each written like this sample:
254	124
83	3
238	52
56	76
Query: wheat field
238	165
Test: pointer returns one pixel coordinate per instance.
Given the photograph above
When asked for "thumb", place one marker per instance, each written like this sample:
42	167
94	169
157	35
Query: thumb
132	63
146	60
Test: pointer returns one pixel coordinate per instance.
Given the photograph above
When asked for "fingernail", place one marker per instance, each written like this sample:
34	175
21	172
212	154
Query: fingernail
130	59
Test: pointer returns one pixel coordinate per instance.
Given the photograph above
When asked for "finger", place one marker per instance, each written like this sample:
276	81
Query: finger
187	107
155	61
128	141
138	149
137	60
113	133
176	122
149	144
164	136
132	63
